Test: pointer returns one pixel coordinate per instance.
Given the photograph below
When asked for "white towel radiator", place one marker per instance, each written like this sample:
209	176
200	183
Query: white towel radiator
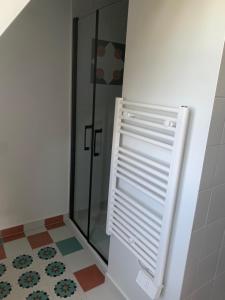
147	153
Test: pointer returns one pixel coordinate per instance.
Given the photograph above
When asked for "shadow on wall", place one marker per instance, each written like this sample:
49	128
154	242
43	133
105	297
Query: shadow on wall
35	113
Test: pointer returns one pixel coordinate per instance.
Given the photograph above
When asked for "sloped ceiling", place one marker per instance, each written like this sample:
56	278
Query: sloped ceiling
9	10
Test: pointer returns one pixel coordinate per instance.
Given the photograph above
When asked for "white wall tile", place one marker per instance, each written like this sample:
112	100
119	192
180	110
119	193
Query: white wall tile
223	136
209	167
221	262
187	298
196	243
218	291
219	177
213	236
202	209
217	122
204	293
207	269
190	279
223	241
220	91
208	231
217	204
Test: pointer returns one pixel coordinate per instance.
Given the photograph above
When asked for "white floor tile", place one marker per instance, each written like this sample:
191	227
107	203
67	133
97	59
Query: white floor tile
61	233
79	260
17	247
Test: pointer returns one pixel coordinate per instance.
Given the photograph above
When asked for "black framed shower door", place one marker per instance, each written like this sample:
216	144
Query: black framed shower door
98	62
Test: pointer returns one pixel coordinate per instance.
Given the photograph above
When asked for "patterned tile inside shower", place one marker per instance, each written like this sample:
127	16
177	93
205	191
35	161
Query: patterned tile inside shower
48	263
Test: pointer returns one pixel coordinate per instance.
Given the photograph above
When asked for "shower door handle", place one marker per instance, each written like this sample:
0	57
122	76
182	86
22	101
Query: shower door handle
86	148
97	131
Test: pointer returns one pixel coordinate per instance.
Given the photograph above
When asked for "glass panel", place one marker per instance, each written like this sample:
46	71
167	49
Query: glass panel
84	107
109	72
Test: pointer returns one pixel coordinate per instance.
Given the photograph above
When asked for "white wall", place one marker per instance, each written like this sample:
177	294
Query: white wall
205	269
9	9
35	71
174	50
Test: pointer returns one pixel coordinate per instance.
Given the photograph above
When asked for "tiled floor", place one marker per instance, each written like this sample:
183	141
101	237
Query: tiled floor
42	264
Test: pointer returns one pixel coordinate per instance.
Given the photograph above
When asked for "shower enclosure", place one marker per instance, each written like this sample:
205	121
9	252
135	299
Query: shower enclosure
98	64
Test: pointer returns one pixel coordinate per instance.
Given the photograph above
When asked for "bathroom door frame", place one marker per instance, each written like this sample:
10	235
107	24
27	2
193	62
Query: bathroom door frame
73	129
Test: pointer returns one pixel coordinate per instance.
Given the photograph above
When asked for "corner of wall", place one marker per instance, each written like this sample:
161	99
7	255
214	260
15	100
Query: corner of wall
205	268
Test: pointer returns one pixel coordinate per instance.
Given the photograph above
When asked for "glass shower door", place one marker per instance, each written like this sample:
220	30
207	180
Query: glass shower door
100	52
112	25
83	121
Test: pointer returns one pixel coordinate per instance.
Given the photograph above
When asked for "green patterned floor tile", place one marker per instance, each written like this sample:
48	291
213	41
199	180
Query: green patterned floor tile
69	246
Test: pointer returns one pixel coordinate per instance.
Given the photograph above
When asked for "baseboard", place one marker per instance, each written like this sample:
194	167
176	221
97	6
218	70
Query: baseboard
14	232
110	279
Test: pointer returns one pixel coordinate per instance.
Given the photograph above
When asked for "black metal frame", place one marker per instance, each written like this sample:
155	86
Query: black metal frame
93	120
73	114
73	129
